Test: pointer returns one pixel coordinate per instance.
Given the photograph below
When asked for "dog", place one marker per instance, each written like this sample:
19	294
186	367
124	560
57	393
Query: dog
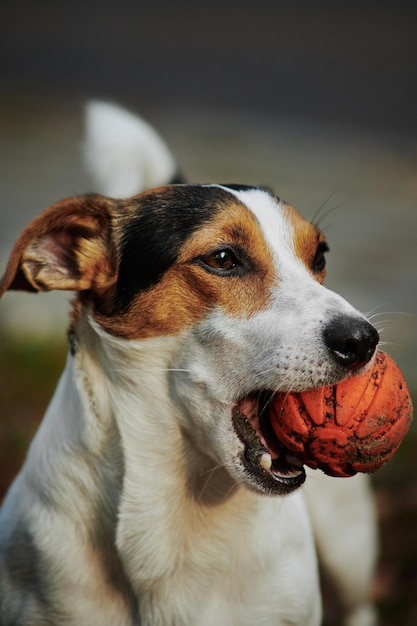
153	493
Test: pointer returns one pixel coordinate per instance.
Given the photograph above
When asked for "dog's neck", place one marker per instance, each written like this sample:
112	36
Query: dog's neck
113	410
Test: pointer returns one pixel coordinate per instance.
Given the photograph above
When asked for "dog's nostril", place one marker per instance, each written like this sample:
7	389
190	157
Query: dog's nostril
352	341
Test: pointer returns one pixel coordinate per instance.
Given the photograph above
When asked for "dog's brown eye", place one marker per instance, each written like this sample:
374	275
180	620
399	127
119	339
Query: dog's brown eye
319	262
222	262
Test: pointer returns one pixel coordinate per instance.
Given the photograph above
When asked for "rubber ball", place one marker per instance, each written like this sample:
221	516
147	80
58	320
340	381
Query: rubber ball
353	426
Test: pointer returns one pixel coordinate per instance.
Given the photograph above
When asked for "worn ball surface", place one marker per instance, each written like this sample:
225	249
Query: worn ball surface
354	426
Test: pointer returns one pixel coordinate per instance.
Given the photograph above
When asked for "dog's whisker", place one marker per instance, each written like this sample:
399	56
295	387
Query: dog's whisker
381	330
384	322
371	315
329	226
209	473
374	312
392	344
213	469
229	491
149	369
317	218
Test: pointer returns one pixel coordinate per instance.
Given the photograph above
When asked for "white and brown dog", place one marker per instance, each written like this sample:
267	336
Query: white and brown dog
152	492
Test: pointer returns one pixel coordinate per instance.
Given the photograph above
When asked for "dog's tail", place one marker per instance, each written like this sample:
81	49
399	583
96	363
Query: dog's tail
123	153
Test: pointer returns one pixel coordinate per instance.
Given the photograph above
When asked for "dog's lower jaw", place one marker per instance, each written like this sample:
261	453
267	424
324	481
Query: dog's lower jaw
267	470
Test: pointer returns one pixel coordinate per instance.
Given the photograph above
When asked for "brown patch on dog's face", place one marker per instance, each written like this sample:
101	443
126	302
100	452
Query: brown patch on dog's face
224	263
309	243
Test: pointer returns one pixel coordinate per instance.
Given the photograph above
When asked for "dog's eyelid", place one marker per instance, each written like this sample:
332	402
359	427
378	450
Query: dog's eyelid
223	261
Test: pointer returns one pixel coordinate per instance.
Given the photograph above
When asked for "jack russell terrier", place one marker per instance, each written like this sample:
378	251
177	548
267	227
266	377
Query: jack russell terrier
146	498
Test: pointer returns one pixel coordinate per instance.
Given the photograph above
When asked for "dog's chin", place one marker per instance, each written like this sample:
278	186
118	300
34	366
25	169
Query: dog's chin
267	467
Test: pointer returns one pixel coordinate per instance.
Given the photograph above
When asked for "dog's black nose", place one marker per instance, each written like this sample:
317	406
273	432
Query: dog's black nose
351	340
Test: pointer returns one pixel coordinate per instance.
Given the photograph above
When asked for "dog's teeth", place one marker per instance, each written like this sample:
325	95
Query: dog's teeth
266	461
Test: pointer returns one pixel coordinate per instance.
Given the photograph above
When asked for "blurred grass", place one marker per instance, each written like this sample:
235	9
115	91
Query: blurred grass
29	373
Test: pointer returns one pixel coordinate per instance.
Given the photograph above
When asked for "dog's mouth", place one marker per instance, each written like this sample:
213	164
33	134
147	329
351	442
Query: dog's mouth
269	467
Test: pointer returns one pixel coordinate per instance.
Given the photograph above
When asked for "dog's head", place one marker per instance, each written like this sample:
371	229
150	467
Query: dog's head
236	276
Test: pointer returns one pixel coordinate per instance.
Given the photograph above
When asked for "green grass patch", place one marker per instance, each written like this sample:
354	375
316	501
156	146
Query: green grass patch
29	371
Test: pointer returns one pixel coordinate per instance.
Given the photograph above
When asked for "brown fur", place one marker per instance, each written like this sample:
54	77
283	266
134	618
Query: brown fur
306	239
186	292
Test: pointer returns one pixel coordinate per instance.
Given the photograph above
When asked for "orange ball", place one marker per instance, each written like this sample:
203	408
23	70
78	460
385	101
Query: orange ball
354	426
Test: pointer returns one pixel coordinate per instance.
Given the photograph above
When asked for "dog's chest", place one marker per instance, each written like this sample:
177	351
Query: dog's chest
262	572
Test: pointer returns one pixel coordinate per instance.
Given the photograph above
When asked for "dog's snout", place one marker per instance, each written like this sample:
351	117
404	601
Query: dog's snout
352	341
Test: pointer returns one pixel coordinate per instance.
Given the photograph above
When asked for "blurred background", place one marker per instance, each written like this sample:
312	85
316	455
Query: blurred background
317	100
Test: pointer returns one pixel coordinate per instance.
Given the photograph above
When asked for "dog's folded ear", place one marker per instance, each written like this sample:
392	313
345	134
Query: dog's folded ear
69	246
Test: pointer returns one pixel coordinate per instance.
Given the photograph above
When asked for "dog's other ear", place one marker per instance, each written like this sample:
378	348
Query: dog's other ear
69	246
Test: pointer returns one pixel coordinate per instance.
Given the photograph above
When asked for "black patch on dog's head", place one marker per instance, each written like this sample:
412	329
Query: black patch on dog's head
152	237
